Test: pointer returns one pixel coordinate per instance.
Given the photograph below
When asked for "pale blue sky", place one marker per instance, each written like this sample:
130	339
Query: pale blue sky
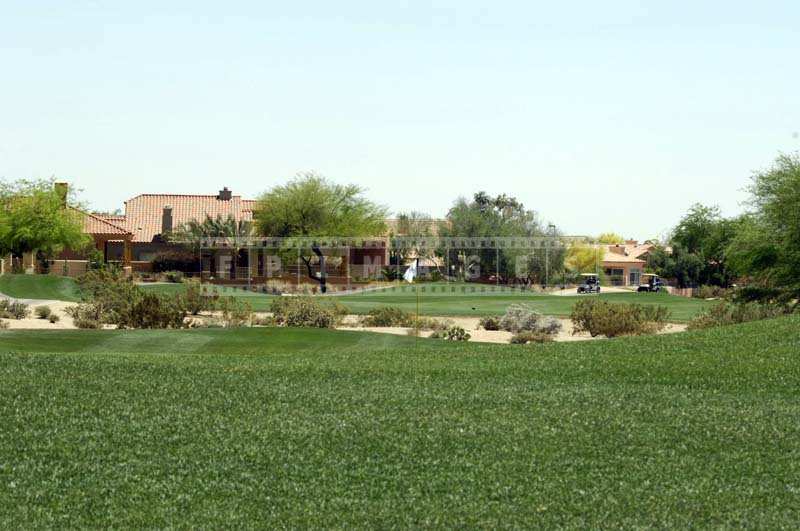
600	117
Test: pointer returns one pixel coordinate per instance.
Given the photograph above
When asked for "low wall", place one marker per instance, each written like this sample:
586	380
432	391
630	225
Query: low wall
68	268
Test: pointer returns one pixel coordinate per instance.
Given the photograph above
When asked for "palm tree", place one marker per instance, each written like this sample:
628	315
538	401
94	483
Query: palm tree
234	232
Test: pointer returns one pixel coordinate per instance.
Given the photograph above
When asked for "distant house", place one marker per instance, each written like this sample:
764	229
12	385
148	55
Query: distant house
150	217
623	264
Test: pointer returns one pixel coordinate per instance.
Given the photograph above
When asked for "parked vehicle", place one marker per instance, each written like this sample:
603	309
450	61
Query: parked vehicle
651	283
590	283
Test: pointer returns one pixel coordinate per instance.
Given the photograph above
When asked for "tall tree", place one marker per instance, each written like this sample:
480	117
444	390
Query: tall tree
311	206
767	248
499	216
705	234
35	216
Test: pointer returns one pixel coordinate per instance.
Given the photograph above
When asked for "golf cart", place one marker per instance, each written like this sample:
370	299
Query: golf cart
589	283
651	283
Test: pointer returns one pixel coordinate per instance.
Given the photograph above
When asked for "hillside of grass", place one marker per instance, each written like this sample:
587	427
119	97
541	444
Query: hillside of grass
459	299
298	428
48	287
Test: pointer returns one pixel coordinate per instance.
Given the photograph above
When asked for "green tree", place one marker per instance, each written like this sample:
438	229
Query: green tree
35	217
610	238
704	234
311	206
767	246
499	216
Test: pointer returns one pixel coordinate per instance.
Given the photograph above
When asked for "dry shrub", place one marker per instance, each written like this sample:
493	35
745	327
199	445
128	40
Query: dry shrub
304	312
726	313
388	316
611	320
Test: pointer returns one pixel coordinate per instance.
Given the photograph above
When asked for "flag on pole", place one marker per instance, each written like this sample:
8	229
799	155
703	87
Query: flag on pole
411	272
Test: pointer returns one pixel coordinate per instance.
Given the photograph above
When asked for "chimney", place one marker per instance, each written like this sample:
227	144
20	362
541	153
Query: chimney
225	194
62	189
166	220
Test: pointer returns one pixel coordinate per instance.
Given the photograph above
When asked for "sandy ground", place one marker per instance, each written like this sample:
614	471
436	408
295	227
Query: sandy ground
32	323
470	324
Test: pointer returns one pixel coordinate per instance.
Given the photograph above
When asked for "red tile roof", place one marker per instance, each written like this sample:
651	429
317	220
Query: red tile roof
94	224
143	213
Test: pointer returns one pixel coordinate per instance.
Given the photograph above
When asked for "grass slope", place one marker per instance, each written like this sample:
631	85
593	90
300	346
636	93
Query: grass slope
39	287
296	428
459	299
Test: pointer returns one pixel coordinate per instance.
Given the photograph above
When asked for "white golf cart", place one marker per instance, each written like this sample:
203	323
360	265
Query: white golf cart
589	283
651	283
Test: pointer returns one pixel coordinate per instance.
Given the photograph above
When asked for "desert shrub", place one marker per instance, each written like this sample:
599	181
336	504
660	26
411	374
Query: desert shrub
490	322
303	312
114	299
431	323
711	292
726	313
150	310
13	309
110	291
387	316
85	316
264	320
528	336
173	276
235	312
611	320
53	318
454	333
3	324
196	299
43	312
519	317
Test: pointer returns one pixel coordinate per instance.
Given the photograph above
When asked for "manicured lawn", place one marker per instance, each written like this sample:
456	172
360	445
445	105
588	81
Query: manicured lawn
298	428
39	287
460	299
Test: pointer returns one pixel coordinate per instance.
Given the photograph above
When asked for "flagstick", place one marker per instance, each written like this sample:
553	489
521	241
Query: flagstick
416	324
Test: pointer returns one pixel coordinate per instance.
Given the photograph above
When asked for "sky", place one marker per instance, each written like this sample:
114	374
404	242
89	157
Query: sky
601	116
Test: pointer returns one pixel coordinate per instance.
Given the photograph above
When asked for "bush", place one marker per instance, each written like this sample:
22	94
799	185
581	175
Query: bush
489	322
454	333
430	323
303	312
13	309
150	310
521	318
53	318
175	277
43	312
235	312
527	336
196	299
711	292
726	313
85	316
113	298
264	320
387	316
611	320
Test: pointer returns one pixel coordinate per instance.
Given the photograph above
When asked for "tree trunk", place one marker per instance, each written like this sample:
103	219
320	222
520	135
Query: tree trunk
323	287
